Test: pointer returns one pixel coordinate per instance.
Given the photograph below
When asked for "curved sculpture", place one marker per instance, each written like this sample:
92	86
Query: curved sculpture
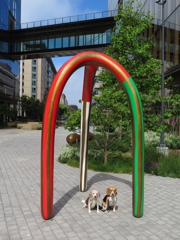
90	60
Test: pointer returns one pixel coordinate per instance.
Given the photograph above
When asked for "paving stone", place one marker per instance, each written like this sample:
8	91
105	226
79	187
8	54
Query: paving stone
20	216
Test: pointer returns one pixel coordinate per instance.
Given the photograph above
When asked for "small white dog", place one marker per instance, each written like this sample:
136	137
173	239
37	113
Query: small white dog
92	201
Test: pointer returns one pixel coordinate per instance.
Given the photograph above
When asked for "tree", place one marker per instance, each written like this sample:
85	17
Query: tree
73	123
63	110
33	108
132	49
7	113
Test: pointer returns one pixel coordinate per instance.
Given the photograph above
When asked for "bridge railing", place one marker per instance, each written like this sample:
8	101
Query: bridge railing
76	18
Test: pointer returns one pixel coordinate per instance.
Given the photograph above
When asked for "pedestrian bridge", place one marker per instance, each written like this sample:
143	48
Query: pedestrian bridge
65	36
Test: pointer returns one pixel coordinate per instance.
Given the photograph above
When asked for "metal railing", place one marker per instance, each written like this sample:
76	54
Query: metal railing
76	18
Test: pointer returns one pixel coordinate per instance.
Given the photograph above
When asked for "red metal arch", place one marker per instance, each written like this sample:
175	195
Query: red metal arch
91	60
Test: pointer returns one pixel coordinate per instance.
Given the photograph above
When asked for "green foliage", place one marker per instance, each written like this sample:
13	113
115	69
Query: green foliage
73	123
7	113
63	110
132	50
119	145
151	154
73	163
152	138
159	164
169	165
68	152
63	160
118	166
32	107
172	141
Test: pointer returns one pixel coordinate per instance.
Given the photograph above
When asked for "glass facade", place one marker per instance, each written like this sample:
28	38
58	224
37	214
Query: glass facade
10	18
172	29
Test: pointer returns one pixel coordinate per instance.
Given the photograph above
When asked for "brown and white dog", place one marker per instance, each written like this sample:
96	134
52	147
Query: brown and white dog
110	199
92	201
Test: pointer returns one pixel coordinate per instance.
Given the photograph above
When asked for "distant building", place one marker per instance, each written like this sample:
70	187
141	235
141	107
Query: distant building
73	107
63	99
36	76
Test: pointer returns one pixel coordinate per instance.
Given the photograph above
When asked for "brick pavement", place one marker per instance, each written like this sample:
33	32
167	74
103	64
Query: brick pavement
20	216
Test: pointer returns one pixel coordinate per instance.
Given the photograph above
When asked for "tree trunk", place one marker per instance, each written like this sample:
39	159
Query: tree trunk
105	156
106	148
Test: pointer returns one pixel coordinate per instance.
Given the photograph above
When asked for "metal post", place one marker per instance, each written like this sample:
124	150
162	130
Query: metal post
162	144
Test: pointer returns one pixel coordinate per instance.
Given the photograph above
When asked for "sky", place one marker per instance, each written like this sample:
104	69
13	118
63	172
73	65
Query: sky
35	10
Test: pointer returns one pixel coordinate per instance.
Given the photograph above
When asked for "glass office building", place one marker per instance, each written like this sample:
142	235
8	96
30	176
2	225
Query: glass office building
10	18
171	35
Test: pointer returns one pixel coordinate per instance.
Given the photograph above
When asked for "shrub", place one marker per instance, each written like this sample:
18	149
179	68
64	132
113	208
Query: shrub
119	145
70	155
169	165
63	160
153	138
172	141
94	154
151	159
68	152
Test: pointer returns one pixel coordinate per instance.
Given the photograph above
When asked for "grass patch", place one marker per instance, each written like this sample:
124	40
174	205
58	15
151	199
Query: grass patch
73	163
116	162
169	166
116	165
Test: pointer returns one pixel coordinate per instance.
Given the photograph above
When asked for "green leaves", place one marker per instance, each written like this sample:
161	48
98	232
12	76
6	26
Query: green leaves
73	124
32	107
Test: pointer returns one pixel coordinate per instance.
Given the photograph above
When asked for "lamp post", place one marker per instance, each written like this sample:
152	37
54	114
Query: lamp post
162	2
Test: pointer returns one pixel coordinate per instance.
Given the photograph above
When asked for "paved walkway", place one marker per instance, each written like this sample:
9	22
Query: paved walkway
20	216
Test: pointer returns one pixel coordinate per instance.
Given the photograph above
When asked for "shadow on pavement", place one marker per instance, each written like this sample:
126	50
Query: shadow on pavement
96	178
